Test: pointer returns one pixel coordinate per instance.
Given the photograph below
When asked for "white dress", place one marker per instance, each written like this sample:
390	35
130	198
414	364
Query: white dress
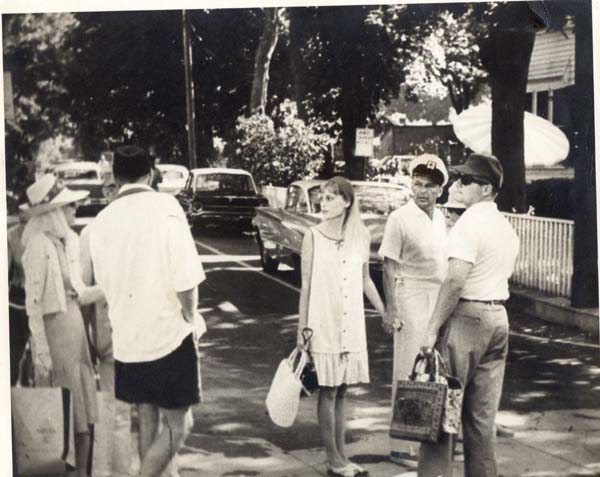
336	313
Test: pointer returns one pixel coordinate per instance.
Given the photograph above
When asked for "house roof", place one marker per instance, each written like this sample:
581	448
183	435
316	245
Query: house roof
552	64
400	120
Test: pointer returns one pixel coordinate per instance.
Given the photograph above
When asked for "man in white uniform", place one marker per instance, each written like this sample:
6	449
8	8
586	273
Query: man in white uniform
469	321
415	261
145	260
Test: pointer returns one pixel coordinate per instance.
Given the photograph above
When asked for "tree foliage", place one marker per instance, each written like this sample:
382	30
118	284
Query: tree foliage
345	61
34	50
278	148
447	61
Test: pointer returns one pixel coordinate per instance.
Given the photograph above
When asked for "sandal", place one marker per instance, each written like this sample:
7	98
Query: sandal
346	471
359	471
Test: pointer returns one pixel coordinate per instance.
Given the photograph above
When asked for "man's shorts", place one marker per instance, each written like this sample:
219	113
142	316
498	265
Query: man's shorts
170	382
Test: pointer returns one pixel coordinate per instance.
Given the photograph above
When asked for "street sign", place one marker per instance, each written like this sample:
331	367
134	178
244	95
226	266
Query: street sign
364	142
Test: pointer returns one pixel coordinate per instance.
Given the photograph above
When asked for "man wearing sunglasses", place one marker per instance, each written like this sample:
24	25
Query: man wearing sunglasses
469	325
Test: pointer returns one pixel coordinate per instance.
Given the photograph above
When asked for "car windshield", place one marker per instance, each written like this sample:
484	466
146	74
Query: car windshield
223	182
372	200
173	175
77	174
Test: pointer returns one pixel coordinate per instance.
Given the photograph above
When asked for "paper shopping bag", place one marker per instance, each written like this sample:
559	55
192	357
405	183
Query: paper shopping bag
103	436
43	430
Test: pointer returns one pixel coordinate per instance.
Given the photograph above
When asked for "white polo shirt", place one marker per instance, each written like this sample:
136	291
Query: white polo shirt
484	237
143	253
417	243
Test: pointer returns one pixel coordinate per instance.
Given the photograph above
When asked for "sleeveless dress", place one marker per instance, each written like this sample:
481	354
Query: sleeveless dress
71	361
336	313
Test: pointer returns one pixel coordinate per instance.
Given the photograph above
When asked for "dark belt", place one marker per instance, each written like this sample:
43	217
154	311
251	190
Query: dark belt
485	302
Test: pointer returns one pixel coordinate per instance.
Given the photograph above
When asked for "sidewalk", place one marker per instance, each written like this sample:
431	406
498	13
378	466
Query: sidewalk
551	444
554	309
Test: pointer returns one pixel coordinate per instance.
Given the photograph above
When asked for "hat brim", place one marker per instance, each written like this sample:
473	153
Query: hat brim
465	170
64	197
441	171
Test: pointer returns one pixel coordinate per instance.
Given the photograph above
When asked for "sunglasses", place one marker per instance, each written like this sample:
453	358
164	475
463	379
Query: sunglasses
468	180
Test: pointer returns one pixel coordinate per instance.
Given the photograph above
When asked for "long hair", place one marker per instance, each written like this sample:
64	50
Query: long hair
355	233
54	223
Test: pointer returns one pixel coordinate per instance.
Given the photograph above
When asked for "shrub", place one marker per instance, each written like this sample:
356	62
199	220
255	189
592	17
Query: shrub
279	148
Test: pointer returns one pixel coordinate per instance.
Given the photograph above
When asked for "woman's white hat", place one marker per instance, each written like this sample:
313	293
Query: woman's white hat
48	193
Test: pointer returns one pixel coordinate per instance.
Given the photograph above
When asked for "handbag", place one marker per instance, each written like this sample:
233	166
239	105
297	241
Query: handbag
42	420
419	406
451	418
284	394
310	381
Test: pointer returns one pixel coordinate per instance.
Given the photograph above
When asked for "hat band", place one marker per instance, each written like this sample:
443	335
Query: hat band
52	193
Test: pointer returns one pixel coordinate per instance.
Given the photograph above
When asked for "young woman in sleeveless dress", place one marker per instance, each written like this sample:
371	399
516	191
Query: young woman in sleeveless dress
335	273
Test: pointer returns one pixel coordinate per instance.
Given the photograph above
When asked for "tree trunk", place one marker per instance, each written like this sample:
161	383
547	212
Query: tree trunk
349	104
508	63
264	52
296	62
584	292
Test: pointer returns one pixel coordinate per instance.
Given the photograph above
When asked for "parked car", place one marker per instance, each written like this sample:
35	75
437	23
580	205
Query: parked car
220	196
84	175
280	231
174	177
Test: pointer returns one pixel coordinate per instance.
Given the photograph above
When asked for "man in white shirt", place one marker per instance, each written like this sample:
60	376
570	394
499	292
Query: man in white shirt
469	321
145	260
415	262
97	314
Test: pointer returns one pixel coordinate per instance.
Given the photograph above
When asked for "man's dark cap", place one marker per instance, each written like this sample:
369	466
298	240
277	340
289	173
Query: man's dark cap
482	166
131	162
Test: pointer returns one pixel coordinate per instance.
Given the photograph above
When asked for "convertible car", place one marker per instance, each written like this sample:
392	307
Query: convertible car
279	231
220	196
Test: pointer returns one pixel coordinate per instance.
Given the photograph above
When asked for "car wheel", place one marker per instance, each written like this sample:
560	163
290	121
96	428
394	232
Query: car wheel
269	264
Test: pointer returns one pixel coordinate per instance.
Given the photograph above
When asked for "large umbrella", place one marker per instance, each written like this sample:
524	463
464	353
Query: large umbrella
545	144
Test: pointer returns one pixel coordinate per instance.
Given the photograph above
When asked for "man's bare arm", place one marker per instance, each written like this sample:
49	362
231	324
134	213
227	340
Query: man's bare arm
458	270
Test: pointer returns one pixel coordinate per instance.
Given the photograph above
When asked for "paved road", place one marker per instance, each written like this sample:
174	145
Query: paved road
251	319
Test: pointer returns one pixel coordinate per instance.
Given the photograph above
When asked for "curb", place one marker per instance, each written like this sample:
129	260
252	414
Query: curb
554	309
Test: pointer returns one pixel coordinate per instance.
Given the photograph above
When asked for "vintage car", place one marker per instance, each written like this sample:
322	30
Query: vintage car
220	196
279	231
174	177
84	175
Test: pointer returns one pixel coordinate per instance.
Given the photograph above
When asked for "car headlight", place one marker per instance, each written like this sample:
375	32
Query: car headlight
197	206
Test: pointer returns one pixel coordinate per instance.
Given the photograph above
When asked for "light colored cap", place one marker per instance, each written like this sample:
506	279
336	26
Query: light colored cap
431	162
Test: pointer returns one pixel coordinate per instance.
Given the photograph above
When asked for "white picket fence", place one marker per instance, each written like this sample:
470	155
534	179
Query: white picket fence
545	261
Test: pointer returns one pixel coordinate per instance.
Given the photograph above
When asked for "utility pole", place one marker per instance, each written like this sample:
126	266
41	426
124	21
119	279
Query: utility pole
189	90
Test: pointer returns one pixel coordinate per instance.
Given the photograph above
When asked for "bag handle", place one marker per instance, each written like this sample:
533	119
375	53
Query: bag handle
431	365
307	334
301	362
443	366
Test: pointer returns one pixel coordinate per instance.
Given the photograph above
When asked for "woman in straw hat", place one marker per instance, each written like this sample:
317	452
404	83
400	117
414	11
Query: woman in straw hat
52	286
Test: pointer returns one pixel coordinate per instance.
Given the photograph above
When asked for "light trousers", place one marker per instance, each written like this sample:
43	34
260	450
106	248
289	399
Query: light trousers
474	343
415	305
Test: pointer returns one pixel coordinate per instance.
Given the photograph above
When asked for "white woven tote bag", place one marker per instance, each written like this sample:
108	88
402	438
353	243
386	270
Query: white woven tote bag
284	394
